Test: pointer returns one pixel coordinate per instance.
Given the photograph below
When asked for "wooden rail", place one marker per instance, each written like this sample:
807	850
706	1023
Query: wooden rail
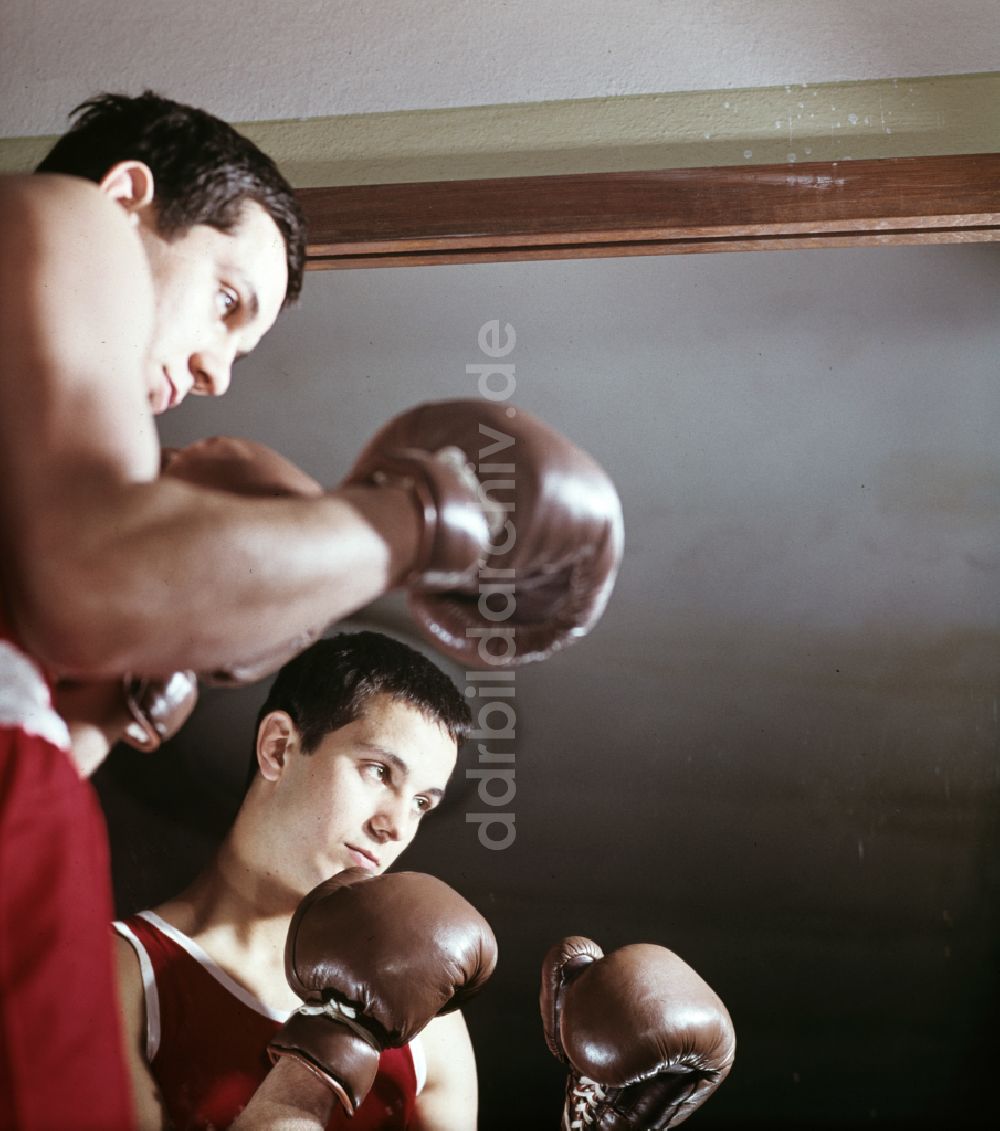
899	200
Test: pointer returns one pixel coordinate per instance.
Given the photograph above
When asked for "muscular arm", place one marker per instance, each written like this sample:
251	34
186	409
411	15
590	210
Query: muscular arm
290	1098
149	575
449	1099
149	1113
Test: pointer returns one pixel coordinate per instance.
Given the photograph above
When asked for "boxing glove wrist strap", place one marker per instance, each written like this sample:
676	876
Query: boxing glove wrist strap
158	708
454	525
325	1037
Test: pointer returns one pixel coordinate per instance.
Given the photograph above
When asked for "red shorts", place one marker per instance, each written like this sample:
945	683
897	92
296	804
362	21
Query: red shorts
62	1066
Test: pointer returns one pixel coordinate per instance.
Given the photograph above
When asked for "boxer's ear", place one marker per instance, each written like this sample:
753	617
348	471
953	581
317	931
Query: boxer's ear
130	184
275	736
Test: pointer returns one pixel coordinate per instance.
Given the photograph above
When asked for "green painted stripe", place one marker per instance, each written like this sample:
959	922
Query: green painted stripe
823	122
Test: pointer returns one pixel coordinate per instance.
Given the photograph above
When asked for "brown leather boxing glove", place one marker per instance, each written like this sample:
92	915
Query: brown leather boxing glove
157	707
374	959
522	530
645	1038
244	467
141	712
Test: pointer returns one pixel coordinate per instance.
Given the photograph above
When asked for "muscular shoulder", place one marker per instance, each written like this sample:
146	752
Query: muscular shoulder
449	1099
76	318
56	201
66	234
129	973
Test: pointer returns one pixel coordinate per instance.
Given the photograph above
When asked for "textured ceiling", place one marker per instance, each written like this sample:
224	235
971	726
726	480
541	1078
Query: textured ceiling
258	59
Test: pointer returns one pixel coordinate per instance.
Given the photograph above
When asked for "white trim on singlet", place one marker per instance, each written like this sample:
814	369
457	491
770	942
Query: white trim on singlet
419	1062
211	967
149	991
25	702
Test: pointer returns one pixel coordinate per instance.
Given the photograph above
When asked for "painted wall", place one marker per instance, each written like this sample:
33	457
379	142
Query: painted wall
369	93
265	59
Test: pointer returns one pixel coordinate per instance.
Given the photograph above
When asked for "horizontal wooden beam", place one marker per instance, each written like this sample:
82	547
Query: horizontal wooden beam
899	200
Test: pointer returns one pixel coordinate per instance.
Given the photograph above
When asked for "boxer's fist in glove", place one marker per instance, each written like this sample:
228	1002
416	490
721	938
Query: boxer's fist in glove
645	1039
374	959
157	707
141	712
244	467
522	531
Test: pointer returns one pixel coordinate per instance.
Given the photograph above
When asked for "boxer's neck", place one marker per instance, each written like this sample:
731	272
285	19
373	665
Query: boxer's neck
239	915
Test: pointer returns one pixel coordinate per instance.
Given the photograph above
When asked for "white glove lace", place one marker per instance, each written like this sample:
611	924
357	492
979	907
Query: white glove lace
335	1010
581	1109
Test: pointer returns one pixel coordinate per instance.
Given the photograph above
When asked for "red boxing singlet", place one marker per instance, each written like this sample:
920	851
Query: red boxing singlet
62	1064
206	1040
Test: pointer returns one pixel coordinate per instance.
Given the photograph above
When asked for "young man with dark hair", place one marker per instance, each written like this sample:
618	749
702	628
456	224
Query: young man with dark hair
118	298
203	170
354	745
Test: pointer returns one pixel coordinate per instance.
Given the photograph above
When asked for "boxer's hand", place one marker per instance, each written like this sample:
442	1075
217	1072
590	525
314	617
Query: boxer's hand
646	1040
244	467
374	959
522	531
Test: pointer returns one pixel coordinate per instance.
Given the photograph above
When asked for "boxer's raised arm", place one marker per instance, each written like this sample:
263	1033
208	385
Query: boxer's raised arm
109	569
162	576
106	568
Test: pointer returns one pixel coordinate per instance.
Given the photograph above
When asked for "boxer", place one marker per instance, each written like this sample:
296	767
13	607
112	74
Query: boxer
645	1039
155	247
354	746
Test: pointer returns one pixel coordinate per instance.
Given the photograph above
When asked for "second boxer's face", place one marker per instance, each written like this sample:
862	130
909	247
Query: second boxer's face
216	294
364	790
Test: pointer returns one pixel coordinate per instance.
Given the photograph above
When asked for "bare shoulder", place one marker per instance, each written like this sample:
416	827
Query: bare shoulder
180	912
149	1111
448	1051
34	205
450	1097
58	201
128	970
446	1031
67	232
76	317
131	994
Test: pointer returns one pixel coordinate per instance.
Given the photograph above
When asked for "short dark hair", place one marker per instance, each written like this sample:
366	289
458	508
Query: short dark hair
203	170
329	685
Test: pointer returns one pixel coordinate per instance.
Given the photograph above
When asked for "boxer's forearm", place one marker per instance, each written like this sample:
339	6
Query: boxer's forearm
159	576
291	1098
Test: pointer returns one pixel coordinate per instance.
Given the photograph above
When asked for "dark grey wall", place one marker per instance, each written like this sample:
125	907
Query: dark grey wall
778	752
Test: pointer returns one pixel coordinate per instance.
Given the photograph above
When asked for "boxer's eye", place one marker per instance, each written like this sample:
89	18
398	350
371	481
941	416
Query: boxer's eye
228	301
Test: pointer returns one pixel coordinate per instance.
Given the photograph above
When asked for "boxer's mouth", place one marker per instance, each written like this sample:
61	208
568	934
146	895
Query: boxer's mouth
363	857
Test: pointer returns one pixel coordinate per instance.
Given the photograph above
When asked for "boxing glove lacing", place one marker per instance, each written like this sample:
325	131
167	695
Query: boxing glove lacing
335	1010
584	1096
341	1012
